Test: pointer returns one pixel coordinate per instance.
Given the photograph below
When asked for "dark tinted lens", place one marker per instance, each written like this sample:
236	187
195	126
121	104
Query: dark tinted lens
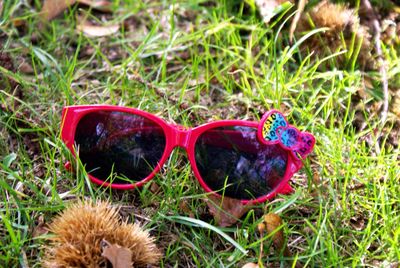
233	162
124	144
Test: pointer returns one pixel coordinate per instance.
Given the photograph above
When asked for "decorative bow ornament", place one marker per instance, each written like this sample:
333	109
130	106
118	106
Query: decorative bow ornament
275	129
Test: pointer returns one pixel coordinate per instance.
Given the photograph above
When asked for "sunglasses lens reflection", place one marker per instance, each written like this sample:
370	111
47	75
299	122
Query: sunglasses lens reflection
126	145
232	162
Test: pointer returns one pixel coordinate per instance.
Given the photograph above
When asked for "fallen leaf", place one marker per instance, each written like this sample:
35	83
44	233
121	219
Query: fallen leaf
52	8
273	225
96	30
226	211
40	228
25	68
184	207
250	265
261	228
120	257
154	188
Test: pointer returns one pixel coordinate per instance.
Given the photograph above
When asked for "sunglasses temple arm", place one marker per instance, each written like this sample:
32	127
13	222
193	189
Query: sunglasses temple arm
287	189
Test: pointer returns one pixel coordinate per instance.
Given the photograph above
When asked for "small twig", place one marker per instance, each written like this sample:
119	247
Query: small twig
296	18
381	61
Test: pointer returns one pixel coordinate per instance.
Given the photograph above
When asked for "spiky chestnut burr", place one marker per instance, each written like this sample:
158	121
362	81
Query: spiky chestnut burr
80	229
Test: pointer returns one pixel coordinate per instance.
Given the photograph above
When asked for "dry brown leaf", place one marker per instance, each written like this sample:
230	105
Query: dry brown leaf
272	223
250	265
96	30
25	68
40	228
184	207
120	257
154	188
226	211
52	8
261	228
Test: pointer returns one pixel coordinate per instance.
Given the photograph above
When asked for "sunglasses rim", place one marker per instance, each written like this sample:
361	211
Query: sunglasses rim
71	115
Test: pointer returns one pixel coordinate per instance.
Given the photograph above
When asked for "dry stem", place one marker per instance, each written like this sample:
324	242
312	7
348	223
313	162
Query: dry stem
381	61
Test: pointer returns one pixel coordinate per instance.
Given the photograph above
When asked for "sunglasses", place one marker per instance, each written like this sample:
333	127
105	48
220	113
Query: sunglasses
124	148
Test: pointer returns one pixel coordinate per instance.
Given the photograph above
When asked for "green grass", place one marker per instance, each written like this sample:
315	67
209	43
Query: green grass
222	63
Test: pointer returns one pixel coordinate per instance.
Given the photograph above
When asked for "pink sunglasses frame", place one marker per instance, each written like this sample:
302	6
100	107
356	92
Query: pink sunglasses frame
176	135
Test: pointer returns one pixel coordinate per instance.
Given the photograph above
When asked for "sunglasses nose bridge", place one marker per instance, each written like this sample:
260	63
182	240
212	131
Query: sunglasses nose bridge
182	136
